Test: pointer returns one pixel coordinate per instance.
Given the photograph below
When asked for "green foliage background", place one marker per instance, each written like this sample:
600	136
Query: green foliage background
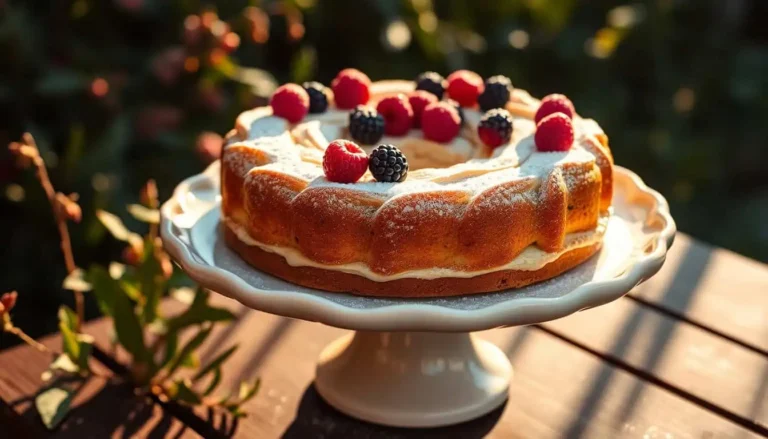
681	88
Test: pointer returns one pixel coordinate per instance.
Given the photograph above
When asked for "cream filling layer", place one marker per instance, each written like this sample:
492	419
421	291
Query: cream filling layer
532	258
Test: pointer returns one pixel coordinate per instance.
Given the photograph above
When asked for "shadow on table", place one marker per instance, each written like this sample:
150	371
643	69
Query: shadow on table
113	410
679	294
316	418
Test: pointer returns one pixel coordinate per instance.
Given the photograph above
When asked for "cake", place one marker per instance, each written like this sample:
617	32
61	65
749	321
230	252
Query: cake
490	190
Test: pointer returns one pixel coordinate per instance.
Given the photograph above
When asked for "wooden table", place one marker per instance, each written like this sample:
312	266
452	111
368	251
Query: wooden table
683	355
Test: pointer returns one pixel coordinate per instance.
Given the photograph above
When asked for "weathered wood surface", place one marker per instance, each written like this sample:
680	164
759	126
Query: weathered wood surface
684	357
103	407
716	288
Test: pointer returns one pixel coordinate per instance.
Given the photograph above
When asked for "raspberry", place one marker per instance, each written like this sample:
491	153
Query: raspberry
431	82
388	164
366	125
464	87
554	103
457	107
318	96
351	87
344	162
440	122
398	114
554	133
495	127
291	102
419	100
496	94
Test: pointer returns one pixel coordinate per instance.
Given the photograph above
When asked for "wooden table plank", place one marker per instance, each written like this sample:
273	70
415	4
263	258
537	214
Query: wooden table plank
103	407
695	361
558	390
715	287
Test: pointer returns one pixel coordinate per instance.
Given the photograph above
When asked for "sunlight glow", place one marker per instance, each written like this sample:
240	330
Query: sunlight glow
428	22
397	36
518	39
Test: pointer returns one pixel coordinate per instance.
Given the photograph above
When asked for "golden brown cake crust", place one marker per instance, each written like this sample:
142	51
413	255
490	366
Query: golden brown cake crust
274	193
337	281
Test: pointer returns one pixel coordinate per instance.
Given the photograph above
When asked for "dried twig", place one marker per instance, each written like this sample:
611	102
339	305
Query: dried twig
64	208
7	302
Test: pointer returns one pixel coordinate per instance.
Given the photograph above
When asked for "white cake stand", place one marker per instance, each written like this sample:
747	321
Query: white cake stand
412	362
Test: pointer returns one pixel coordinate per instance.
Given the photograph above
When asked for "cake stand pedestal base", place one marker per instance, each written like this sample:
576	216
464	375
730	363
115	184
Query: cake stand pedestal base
413	379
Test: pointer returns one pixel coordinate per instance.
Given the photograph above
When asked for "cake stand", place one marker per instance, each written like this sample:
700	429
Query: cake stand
413	362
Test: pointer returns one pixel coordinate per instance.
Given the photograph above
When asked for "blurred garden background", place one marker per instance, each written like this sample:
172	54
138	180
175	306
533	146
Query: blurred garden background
119	91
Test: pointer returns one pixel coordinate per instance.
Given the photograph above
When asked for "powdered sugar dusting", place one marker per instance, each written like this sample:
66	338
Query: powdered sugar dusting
298	152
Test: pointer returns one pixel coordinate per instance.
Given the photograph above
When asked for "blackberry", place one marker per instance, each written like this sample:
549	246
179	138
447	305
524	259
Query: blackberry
458	109
431	82
495	127
318	96
496	94
388	164
366	125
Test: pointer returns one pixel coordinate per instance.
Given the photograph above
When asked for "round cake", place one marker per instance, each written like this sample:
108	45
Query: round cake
380	189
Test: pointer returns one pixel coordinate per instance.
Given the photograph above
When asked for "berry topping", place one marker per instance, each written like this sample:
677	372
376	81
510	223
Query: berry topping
398	114
495	127
440	122
554	103
366	125
431	82
291	102
496	94
388	164
458	108
464	87
318	96
344	162
351	87
419	99
554	133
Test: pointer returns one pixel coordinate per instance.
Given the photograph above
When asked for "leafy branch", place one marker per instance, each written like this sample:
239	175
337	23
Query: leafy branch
130	294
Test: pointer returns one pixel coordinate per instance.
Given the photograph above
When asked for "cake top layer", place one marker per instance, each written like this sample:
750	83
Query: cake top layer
462	164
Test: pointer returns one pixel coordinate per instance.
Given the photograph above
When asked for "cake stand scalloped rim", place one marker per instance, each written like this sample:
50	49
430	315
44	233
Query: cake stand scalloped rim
407	314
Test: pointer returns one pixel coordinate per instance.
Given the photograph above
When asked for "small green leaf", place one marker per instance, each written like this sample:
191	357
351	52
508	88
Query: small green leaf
190	361
144	214
115	302
86	346
105	289
115	226
128	330
214	382
75	281
200	312
215	363
150	277
191	345
67	324
245	388
182	391
131	290
65	364
53	405
68	317
248	391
